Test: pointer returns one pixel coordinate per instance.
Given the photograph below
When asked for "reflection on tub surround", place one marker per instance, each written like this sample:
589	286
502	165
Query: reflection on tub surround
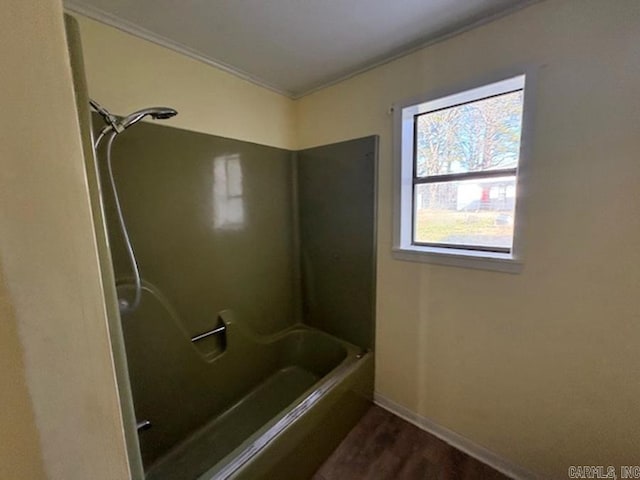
228	202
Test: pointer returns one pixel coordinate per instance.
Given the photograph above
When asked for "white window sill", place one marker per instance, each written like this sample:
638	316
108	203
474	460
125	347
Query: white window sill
498	262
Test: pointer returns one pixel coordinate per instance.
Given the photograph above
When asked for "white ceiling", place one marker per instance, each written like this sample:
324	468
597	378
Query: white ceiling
293	46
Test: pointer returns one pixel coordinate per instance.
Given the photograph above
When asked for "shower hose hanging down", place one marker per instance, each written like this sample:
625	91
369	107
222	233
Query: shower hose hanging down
114	126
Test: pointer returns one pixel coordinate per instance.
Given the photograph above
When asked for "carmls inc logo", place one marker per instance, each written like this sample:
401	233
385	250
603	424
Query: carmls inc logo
600	471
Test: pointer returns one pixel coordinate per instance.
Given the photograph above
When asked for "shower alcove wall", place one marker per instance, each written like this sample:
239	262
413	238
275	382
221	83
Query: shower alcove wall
277	247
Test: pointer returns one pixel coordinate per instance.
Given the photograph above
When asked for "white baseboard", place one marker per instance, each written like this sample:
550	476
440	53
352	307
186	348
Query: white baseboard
456	440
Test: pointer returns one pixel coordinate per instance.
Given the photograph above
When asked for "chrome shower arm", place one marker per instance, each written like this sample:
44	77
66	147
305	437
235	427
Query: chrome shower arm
111	120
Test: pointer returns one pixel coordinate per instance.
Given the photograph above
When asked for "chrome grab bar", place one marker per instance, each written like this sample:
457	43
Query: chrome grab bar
204	335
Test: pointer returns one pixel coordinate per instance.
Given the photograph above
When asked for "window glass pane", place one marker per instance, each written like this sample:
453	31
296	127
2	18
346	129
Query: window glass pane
476	136
469	212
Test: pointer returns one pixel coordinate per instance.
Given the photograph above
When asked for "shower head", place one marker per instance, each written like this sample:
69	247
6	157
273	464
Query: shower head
157	113
116	126
164	113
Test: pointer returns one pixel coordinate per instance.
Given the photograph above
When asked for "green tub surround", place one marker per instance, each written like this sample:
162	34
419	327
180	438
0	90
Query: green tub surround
336	187
275	246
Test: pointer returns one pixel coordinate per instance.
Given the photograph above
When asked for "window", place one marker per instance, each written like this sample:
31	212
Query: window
458	158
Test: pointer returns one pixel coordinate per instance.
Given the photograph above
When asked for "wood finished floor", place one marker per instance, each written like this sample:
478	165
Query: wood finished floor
383	446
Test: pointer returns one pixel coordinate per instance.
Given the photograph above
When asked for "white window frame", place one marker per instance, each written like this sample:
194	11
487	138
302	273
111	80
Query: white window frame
403	118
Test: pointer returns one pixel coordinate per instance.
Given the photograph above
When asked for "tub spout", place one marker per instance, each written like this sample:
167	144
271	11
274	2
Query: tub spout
143	425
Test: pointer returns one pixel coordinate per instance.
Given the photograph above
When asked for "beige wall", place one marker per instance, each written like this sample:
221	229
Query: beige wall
126	73
540	367
20	454
51	278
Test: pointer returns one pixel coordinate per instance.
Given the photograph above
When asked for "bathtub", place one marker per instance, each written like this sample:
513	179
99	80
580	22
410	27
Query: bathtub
238	404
